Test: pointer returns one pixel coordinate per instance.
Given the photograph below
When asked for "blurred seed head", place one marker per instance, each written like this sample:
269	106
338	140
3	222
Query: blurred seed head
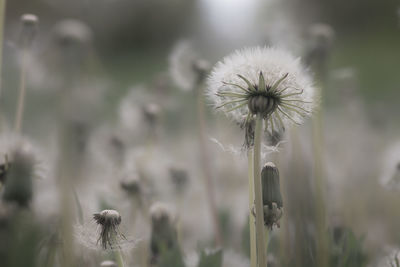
272	198
321	37
164	236
108	264
179	178
109	220
186	68
29	29
18	187
131	185
72	32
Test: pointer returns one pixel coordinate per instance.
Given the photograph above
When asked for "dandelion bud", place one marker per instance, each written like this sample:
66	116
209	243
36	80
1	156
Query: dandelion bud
109	220
29	29
272	198
18	186
164	236
179	178
108	264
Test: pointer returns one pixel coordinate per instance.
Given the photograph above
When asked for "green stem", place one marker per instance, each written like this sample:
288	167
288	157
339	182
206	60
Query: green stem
322	241
252	222
260	237
21	93
2	20
118	258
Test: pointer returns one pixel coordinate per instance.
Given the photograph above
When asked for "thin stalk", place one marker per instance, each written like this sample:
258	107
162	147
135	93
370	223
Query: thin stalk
252	222
118	258
210	190
322	241
266	233
117	254
2	20
260	237
21	93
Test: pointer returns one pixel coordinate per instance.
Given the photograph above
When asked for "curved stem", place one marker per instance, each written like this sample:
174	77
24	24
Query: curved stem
252	222
260	237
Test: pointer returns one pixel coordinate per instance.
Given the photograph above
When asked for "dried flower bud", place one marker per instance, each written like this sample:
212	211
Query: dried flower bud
272	198
109	220
179	178
108	264
18	187
29	29
164	236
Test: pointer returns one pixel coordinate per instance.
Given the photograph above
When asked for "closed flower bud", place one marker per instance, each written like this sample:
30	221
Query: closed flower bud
18	186
272	198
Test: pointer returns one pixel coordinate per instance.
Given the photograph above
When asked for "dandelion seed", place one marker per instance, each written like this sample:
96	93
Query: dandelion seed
265	80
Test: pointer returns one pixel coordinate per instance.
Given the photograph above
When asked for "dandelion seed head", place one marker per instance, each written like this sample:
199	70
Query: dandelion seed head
185	66
287	96
160	211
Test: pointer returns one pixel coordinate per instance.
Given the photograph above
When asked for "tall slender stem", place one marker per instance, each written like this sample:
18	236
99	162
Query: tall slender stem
206	164
252	222
2	20
260	235
21	93
322	242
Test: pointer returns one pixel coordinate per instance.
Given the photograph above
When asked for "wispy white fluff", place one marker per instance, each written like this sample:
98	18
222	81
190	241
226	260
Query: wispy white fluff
181	65
274	63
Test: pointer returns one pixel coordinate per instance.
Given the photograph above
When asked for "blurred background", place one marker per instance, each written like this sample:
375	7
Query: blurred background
105	102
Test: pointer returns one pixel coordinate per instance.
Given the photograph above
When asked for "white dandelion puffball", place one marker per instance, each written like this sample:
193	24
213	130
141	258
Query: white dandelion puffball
390	176
266	81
